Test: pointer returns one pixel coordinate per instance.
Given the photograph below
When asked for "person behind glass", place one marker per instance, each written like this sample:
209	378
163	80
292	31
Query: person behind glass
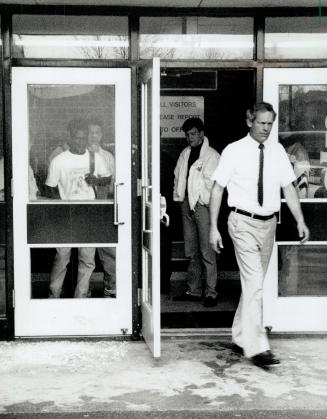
300	162
107	255
69	171
192	186
253	170
321	192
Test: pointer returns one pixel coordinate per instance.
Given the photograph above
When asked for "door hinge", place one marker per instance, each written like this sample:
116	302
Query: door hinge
13	298
139	296
139	187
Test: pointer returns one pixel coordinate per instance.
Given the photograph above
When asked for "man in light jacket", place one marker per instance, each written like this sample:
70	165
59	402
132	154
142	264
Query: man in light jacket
192	187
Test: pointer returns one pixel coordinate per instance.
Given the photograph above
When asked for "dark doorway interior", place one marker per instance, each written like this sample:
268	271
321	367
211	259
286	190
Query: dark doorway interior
226	96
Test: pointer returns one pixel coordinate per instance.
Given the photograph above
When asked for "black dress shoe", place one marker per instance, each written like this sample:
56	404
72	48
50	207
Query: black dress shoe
210	301
237	349
186	296
265	359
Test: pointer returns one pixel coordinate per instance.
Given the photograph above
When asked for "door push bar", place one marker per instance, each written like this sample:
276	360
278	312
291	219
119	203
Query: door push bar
116	222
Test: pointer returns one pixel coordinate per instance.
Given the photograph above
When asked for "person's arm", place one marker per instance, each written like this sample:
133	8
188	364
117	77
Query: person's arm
50	192
176	177
295	208
50	188
209	168
92	180
216	196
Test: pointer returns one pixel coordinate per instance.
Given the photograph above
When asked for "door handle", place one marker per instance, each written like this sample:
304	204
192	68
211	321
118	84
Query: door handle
144	189
116	222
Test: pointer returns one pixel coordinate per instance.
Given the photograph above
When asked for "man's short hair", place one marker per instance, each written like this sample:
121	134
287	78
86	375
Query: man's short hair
251	113
95	121
75	125
193	123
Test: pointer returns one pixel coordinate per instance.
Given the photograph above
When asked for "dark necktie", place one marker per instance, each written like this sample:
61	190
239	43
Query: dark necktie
260	179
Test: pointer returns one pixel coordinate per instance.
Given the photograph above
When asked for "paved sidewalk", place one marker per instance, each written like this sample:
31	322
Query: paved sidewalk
194	375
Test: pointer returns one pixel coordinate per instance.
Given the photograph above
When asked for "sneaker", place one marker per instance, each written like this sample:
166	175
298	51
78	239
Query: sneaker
187	296
109	293
210	301
265	359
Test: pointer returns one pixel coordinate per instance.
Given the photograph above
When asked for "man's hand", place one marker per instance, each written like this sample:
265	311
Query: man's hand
293	203
215	240
91	180
304	232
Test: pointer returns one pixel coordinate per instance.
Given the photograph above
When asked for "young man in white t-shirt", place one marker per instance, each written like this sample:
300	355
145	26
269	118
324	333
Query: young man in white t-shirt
70	172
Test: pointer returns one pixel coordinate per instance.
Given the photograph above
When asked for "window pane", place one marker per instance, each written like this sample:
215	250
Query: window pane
71	136
302	271
302	131
90	37
305	37
196	38
67	272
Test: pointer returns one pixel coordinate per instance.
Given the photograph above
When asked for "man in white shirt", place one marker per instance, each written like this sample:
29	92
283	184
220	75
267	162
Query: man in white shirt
70	172
192	186
254	170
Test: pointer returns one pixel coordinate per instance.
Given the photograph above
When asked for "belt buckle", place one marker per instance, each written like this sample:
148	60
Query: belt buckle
252	215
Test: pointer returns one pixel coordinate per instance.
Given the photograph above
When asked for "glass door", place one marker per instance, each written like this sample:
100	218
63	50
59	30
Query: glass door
150	130
72	201
296	288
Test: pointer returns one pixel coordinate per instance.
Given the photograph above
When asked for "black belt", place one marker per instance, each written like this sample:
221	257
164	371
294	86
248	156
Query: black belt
252	215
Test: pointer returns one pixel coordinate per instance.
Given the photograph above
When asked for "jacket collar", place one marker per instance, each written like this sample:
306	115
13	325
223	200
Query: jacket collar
204	147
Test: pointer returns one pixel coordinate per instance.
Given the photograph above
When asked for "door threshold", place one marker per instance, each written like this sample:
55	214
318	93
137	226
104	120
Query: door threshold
212	333
73	338
196	332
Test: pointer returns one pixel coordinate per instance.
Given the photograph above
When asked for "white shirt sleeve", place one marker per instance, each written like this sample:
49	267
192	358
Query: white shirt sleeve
100	166
53	174
224	170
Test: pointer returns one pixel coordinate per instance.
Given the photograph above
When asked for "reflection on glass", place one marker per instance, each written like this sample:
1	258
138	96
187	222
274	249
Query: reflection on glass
65	272
67	46
71	151
63	36
303	133
196	38
304	37
302	271
2	281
